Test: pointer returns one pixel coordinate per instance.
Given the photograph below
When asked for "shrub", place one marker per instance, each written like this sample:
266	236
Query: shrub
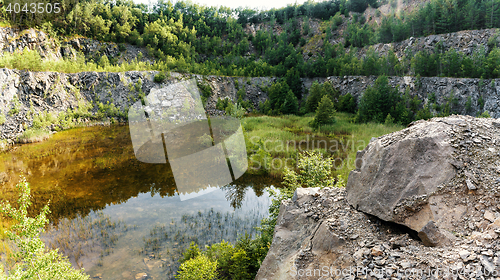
16	106
389	120
468	105
480	102
485	114
432	98
33	135
282	99
324	113
121	47
222	252
206	92
222	104
205	140
261	159
160	77
314	170
192	252
2	119
240	265
347	103
424	113
314	97
35	261
198	268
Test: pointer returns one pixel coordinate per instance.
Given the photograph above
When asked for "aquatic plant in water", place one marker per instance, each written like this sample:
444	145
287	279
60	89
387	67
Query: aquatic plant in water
168	242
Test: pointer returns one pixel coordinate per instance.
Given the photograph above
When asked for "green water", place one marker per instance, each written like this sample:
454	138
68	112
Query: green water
118	217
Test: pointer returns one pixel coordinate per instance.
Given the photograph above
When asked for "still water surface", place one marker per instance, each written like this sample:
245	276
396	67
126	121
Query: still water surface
118	217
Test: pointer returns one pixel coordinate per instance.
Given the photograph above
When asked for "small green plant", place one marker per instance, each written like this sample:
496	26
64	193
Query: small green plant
33	135
389	120
468	105
2	119
198	268
261	158
314	170
418	81
222	104
206	140
324	113
485	114
206	92
16	106
432	98
34	260
480	102
160	77
121	47
138	85
424	113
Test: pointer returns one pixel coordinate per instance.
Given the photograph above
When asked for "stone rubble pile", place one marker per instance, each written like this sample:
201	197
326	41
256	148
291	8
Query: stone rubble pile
422	204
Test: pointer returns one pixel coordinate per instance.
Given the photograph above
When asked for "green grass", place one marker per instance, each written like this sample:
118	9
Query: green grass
31	60
33	135
277	135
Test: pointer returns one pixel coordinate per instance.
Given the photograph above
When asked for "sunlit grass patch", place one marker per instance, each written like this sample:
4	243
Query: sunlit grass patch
33	136
273	140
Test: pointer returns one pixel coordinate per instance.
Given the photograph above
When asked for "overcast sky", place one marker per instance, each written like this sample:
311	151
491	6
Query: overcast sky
256	4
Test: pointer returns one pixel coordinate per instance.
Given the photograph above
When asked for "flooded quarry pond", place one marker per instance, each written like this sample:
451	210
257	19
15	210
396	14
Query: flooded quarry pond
118	217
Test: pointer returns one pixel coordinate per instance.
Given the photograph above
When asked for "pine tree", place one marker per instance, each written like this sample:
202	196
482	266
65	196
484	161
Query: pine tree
324	113
314	97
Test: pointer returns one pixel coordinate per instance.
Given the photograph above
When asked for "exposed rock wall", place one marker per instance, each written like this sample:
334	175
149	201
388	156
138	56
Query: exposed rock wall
464	41
56	92
445	89
12	39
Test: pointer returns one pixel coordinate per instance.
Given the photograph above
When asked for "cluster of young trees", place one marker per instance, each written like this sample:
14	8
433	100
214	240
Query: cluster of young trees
440	16
212	40
320	10
455	64
383	103
380	103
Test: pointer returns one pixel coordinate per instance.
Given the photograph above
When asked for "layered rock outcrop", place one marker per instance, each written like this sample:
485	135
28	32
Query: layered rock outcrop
56	92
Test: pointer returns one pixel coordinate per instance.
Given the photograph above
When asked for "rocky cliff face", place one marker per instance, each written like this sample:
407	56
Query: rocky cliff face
483	93
422	204
12	39
464	41
56	92
24	93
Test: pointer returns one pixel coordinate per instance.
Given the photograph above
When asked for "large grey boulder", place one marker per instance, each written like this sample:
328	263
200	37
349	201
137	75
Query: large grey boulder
433	177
